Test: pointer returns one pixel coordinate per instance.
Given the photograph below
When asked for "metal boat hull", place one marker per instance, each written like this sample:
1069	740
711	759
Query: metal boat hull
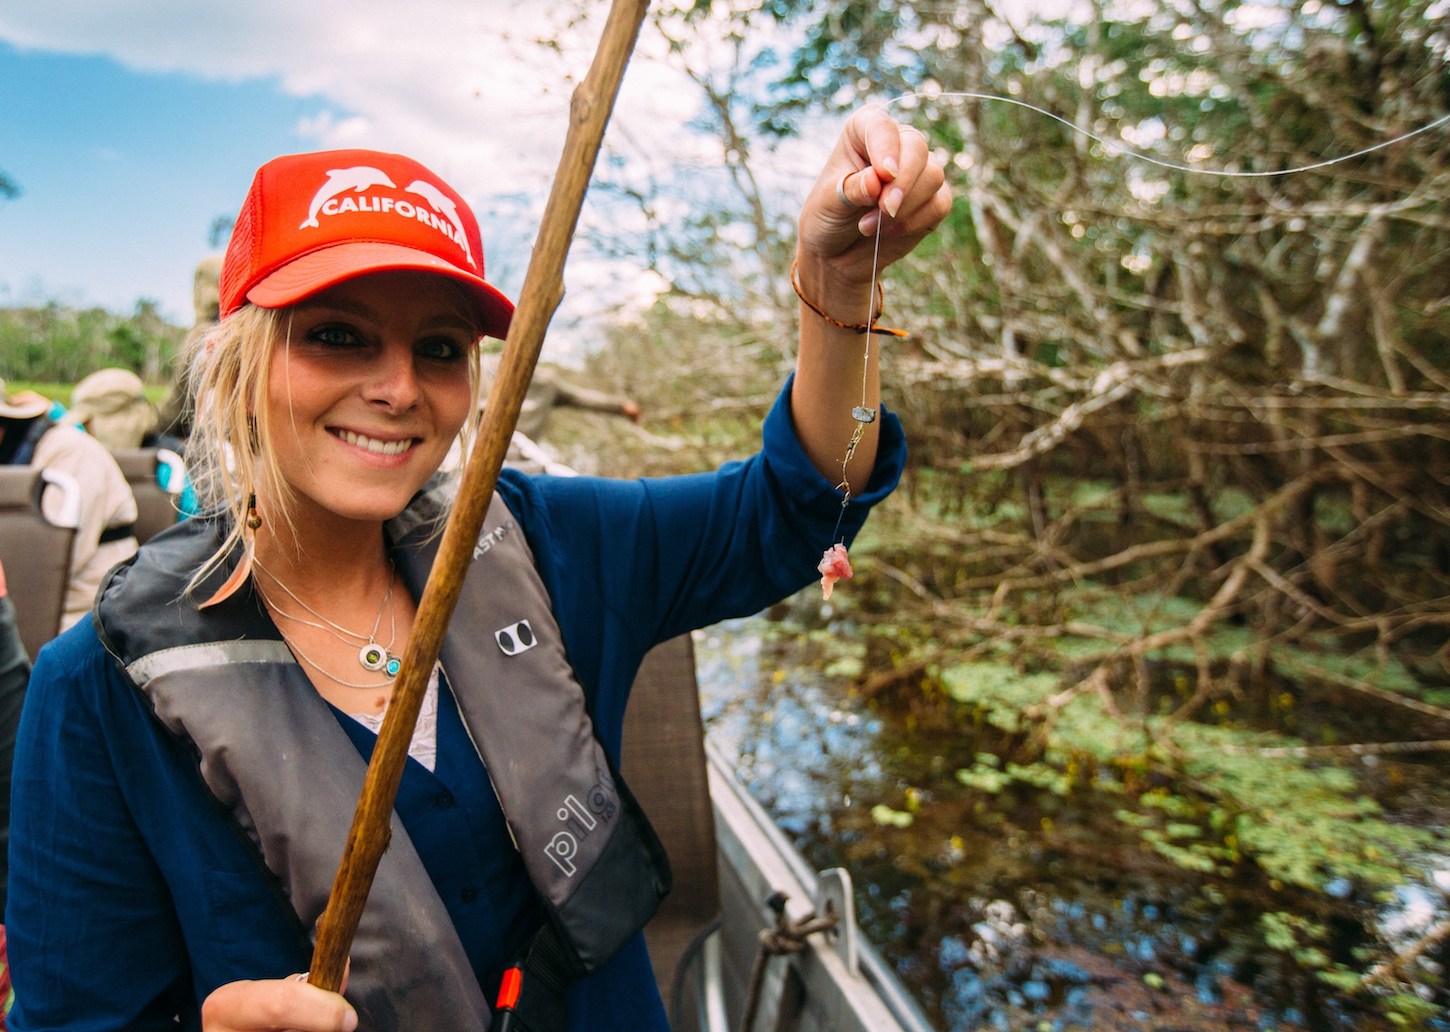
729	870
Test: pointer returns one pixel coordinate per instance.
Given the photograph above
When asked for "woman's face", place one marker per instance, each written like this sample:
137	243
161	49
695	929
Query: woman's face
368	391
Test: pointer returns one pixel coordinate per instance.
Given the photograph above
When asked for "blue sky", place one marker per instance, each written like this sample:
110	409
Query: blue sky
122	174
131	126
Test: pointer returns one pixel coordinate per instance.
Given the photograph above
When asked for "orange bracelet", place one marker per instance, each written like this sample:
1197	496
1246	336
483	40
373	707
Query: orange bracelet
870	327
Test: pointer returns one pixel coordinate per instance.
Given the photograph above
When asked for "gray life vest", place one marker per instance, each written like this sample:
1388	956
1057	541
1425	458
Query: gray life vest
271	751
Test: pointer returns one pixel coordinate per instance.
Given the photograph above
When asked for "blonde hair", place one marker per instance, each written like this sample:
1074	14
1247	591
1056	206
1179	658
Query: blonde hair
231	449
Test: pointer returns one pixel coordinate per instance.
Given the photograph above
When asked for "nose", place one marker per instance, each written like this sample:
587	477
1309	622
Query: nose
393	382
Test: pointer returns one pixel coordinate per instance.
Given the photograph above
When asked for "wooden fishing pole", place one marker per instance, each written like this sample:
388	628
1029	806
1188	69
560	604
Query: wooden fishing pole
589	111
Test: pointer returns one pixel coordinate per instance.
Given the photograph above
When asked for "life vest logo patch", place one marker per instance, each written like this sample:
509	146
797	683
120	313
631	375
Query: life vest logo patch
489	538
580	820
515	638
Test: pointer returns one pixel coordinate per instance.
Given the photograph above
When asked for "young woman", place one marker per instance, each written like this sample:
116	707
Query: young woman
188	760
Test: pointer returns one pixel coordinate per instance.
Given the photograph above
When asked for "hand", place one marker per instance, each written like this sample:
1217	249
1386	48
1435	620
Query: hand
632	410
276	1005
884	170
880	175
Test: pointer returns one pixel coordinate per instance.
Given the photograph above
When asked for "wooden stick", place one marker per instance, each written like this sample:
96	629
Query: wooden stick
589	111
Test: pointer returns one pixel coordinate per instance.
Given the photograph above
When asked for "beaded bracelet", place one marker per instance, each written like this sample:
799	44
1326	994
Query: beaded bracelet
866	327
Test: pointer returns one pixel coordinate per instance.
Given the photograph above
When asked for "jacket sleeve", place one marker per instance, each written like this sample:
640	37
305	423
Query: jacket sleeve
92	940
668	555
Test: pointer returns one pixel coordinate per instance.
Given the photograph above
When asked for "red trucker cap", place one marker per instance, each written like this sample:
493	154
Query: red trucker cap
311	221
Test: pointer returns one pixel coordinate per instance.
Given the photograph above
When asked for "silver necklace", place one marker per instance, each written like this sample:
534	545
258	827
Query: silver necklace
326	672
371	656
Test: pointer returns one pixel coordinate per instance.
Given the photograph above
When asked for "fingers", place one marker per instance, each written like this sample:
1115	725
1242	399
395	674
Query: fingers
914	158
272	1005
907	197
888	158
915	194
879	169
899	174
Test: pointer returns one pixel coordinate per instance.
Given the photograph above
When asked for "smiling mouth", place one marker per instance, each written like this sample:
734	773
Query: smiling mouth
375	446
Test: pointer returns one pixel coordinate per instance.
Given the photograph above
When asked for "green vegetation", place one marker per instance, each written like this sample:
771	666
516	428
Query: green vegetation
54	344
1213	749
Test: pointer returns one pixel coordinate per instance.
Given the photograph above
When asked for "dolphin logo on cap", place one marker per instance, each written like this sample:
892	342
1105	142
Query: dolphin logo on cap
339	181
444	205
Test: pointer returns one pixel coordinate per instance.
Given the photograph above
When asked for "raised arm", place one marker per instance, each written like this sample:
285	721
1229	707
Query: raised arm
880	171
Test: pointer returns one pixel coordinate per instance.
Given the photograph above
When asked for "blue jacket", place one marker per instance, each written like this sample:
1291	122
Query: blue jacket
131	895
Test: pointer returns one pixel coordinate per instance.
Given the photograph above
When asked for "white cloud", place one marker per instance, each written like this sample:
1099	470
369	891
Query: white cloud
478	92
469	90
463	87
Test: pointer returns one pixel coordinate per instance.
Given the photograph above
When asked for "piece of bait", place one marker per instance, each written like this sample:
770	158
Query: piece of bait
834	566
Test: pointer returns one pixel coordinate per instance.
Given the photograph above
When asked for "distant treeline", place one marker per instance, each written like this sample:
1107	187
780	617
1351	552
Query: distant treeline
58	344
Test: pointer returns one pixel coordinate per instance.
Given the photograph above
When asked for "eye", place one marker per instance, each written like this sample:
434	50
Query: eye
334	335
441	348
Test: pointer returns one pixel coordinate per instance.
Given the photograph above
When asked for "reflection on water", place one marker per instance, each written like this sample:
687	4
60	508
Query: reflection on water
1021	909
787	732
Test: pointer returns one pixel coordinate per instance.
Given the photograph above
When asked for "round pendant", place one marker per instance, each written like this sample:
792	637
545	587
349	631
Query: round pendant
393	665
373	656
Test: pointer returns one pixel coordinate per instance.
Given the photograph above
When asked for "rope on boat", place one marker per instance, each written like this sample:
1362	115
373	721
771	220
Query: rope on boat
786	937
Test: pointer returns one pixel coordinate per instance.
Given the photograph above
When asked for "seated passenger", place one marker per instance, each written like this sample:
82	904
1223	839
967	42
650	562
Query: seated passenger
105	535
111	405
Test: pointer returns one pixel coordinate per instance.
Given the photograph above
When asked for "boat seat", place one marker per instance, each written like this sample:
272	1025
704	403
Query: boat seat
35	551
664	766
156	507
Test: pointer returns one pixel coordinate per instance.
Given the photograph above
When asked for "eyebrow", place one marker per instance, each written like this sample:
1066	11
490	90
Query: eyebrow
363	310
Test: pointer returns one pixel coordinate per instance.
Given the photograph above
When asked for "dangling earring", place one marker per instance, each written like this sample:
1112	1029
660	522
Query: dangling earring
249	551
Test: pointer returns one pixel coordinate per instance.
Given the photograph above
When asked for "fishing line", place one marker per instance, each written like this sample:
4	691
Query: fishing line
1199	170
864	415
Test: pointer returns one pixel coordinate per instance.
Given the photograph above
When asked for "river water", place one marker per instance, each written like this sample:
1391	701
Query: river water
1022	909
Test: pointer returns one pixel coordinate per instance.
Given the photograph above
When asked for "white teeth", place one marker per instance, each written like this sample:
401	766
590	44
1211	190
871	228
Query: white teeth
376	447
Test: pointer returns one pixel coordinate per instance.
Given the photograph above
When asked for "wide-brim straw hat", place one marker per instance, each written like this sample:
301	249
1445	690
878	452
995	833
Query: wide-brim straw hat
24	405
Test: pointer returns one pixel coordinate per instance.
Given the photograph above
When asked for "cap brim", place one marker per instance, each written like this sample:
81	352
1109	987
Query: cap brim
318	270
